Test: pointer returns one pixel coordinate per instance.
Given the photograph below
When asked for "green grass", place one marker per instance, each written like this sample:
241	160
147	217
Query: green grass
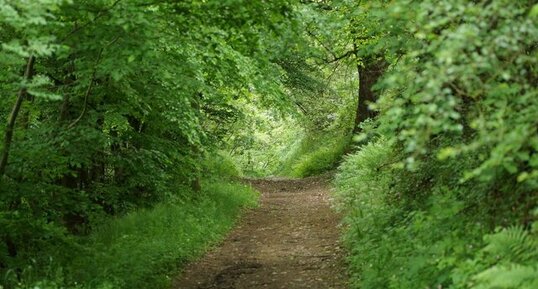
315	156
146	248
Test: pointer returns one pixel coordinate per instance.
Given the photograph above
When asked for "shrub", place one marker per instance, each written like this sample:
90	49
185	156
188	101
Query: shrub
220	165
425	228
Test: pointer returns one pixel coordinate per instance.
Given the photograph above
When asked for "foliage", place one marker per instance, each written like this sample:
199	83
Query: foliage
314	155
124	102
508	260
309	136
220	166
423	228
144	248
450	156
121	113
257	143
305	142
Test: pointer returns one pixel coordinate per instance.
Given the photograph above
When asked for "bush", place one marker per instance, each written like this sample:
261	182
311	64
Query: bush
425	228
221	165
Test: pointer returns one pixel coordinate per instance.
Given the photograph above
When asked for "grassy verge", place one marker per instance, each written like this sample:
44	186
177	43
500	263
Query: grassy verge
145	248
315	155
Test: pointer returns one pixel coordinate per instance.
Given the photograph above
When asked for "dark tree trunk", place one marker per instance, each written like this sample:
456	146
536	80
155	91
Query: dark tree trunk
196	185
97	170
369	73
8	136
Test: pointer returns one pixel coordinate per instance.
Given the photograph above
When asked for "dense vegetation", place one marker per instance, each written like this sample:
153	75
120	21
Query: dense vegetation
127	123
442	192
115	112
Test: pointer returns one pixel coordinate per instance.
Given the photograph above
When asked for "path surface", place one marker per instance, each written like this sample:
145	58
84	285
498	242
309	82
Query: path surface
291	241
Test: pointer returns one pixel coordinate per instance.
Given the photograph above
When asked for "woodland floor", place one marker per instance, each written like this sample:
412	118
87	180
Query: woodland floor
290	241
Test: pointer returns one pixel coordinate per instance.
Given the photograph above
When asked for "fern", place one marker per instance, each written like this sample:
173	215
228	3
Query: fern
512	244
508	277
511	261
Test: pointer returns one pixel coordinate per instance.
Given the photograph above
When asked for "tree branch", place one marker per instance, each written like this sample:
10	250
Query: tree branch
313	35
99	14
345	55
92	81
88	91
330	51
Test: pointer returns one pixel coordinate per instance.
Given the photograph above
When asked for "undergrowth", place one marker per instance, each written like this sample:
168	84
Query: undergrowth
144	248
426	229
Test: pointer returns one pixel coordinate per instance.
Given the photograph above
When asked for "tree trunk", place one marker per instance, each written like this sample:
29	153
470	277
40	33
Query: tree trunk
8	135
196	184
369	73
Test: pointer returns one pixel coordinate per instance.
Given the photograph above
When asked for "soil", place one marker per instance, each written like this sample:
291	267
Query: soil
290	241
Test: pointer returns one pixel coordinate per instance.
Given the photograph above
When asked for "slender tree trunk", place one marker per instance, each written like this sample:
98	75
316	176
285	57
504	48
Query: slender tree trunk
25	117
369	73
8	135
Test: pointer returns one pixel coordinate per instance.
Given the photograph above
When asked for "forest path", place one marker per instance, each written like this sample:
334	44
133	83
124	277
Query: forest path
290	241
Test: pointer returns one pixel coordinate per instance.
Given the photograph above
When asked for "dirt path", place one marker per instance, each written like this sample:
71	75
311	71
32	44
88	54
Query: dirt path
290	241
